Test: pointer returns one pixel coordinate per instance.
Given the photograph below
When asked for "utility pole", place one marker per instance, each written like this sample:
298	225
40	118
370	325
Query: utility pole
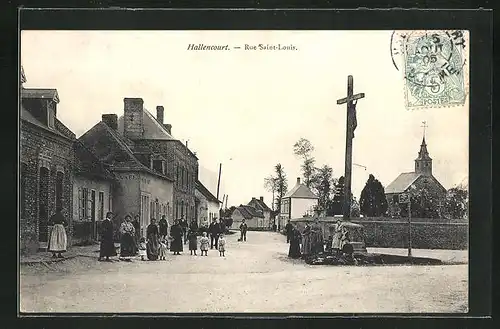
218	181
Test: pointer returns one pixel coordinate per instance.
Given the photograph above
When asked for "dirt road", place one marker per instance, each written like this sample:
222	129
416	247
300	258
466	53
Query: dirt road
255	276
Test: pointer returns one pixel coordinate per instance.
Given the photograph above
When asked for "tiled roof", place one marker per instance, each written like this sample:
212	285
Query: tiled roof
402	182
28	117
260	204
40	93
300	191
252	211
206	193
244	212
88	164
152	128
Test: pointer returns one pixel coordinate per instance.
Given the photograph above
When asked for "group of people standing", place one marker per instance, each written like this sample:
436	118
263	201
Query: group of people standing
311	242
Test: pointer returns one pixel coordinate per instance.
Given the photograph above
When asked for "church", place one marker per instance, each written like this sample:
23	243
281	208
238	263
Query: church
421	179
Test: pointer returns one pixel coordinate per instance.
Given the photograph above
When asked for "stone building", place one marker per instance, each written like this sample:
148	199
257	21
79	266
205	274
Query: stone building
143	186
254	218
266	211
207	205
93	187
155	145
421	179
46	167
297	203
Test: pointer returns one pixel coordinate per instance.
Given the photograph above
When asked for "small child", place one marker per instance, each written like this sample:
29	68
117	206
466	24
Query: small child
163	248
204	244
222	245
142	248
193	241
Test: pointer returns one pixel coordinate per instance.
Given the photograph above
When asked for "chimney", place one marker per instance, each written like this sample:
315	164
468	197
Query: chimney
111	120
298	180
168	127
262	198
159	113
133	126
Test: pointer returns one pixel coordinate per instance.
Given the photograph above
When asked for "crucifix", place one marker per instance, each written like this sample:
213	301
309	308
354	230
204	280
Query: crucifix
424	125
351	101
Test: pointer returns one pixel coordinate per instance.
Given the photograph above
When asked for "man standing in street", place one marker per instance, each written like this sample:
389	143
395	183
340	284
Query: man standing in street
243	230
163	226
289	231
214	230
184	225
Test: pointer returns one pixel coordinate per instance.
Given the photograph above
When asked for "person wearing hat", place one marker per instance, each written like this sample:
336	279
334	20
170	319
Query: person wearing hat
107	244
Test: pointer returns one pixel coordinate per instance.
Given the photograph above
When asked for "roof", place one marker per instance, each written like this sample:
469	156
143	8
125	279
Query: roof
59	128
252	211
300	191
40	94
402	182
152	128
88	164
112	148
244	212
260	203
206	193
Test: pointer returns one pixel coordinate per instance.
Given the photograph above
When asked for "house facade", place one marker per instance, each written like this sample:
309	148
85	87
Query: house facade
142	187
46	168
254	218
297	203
421	179
156	147
258	203
207	205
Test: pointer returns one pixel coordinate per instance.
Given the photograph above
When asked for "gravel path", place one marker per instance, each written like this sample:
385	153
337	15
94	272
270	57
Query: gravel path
255	276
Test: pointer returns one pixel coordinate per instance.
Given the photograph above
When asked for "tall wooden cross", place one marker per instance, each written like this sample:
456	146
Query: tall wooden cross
424	125
351	101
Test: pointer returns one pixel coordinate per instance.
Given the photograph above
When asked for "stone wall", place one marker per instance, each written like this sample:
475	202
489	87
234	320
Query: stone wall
42	148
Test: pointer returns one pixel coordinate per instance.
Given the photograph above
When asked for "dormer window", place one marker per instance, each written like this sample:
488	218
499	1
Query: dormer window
158	164
50	114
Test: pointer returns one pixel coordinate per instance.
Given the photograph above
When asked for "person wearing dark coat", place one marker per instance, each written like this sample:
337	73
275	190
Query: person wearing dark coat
214	230
243	231
193	227
153	242
107	244
289	230
295	237
176	234
137	227
163	226
184	226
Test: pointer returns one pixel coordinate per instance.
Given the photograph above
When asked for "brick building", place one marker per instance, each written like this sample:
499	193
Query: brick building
421	179
266	211
253	217
46	167
155	145
142	185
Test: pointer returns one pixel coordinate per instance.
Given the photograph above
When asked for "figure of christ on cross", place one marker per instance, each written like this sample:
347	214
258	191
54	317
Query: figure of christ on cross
352	123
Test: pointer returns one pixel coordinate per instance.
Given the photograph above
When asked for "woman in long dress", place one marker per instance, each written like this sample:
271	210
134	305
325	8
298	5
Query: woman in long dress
176	233
127	241
294	250
107	244
153	244
58	239
317	238
337	236
306	241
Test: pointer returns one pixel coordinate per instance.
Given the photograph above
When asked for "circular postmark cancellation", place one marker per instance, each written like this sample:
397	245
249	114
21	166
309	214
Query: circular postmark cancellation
434	67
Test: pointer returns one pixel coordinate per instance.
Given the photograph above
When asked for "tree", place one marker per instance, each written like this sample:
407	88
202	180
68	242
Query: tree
281	185
271	185
337	204
423	205
456	203
372	201
355	208
303	149
322	185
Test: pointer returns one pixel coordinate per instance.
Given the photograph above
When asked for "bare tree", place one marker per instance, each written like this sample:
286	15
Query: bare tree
303	149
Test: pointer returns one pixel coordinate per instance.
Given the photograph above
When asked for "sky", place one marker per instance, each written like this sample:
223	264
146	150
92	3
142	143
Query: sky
246	109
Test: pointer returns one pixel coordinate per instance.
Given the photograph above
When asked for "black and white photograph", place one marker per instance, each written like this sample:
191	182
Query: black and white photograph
233	171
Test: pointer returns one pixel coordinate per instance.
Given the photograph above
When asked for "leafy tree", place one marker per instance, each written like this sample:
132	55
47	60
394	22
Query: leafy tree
323	183
271	185
337	204
456	203
281	185
303	149
423	205
355	208
373	202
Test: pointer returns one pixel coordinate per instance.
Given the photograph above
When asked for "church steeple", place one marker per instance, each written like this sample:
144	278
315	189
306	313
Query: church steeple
423	163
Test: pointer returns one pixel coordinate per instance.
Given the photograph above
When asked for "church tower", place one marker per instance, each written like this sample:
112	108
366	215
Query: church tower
423	164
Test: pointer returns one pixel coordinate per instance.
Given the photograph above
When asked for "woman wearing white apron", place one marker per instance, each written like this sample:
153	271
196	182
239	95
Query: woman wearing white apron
58	239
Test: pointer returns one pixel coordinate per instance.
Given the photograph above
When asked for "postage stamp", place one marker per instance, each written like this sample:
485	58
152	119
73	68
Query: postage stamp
434	67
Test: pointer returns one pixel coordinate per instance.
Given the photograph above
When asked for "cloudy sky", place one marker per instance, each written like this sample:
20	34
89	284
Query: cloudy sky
246	109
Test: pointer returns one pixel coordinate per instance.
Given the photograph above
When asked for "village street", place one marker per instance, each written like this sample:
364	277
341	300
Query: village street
255	276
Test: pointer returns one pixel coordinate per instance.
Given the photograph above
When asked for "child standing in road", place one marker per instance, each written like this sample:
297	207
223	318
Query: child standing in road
204	244
142	248
222	245
163	249
193	241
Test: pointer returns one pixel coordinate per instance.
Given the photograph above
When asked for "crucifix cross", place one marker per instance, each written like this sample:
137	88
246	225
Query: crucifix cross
424	125
351	101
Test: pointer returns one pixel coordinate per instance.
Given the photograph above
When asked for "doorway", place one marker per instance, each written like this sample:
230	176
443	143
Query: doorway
43	206
92	215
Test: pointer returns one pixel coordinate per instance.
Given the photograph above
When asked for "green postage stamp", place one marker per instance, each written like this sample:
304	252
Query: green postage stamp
434	66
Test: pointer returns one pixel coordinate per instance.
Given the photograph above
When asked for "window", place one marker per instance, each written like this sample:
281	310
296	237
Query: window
395	198
59	190
50	114
177	176
84	200
92	205
101	206
22	189
182	208
158	166
43	205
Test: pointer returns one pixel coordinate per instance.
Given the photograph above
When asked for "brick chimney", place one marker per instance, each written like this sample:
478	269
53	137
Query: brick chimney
133	125
159	113
262	198
111	120
168	127
298	180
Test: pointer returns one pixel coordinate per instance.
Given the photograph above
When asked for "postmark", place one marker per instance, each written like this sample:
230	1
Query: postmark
434	67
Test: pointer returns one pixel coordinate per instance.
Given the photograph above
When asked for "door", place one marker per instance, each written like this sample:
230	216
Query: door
92	215
43	206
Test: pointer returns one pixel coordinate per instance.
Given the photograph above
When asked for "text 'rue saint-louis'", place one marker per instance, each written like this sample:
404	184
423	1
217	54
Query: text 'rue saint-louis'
259	46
